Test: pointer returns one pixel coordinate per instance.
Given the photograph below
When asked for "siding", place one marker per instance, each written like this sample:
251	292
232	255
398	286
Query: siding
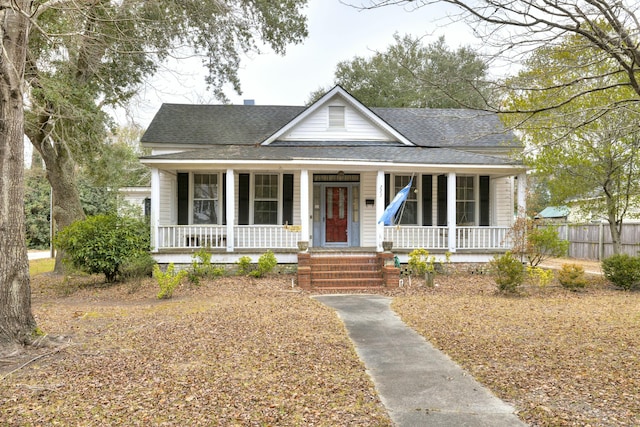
369	220
502	202
168	196
315	127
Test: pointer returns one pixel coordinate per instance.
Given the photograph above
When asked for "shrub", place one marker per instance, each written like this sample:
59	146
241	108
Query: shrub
539	276
420	262
544	242
266	263
103	243
571	276
167	281
509	272
244	265
201	267
622	270
138	266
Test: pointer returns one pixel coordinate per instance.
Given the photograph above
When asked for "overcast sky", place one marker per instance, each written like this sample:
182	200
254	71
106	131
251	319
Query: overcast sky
337	32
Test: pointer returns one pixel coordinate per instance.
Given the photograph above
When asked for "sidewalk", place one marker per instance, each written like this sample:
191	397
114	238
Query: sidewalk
419	385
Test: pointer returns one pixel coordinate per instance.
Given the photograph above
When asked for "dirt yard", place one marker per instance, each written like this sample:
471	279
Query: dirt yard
253	352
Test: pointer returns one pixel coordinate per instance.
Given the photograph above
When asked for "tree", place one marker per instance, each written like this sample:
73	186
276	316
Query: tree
16	320
82	57
514	28
410	74
594	166
87	56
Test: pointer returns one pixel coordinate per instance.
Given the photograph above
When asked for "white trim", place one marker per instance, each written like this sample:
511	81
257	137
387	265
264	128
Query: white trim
379	209
451	210
230	208
357	105
304	204
155	208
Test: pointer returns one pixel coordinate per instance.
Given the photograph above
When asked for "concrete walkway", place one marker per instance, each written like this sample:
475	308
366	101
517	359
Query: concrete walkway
419	385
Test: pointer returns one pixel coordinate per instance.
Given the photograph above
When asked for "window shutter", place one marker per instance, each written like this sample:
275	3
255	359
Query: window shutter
243	199
484	201
387	189
427	199
183	198
287	199
442	200
224	198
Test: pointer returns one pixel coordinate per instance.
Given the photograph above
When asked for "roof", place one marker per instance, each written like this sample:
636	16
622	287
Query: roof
186	124
554	212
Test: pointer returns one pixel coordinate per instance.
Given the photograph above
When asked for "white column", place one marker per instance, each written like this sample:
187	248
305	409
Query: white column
522	194
304	204
231	204
379	210
155	209
451	210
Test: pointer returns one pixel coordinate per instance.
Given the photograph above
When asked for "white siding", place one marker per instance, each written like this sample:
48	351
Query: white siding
369	220
168	199
502	201
316	127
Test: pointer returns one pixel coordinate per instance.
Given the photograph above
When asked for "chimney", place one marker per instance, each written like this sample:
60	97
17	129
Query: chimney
249	102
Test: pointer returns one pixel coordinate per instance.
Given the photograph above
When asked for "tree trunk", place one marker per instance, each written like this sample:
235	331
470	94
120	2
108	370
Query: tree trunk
16	320
61	173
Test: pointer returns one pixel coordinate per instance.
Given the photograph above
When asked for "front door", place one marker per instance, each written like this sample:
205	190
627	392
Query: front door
337	215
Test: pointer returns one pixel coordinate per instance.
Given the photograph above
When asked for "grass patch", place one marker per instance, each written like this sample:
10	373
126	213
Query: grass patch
40	266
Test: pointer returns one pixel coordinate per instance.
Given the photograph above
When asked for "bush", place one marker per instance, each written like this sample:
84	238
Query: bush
420	262
266	263
544	242
138	266
571	276
103	243
622	270
167	281
201	267
539	276
509	272
244	265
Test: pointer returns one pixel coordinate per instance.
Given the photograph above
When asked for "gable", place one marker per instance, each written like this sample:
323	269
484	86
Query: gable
318	122
336	120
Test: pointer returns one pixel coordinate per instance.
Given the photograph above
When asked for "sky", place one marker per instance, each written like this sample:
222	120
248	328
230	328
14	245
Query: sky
337	32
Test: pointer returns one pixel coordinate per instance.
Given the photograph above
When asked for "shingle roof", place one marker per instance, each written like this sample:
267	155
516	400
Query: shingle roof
371	153
251	124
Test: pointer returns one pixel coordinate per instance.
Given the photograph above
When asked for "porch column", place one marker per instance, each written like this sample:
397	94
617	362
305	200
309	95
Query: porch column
231	203
304	204
522	195
379	210
155	209
451	210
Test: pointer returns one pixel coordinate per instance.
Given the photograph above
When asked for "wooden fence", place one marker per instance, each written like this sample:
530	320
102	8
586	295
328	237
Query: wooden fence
593	241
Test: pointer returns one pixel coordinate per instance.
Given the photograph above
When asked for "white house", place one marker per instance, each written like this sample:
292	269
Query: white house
243	179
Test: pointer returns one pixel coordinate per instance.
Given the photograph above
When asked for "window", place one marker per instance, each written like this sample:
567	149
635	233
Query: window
465	201
336	117
205	199
409	213
265	200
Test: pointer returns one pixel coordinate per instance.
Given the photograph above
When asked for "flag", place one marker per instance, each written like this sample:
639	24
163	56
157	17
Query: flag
392	209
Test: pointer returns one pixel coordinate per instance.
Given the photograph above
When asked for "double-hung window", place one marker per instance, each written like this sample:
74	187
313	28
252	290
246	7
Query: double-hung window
205	199
465	200
408	214
265	199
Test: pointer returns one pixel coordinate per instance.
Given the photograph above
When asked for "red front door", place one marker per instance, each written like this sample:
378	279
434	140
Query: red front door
337	215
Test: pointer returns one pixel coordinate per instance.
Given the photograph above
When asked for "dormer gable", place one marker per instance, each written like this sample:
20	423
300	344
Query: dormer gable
337	116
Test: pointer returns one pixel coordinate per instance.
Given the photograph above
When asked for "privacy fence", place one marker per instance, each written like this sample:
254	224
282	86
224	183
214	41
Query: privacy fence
593	241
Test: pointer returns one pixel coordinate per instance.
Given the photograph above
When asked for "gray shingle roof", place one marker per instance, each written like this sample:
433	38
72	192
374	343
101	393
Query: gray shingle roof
377	153
252	124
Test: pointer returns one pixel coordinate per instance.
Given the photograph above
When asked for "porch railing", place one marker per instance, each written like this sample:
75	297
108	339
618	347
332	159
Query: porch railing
215	236
437	238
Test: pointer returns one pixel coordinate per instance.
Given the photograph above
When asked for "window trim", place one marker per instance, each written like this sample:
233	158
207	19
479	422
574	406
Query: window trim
192	198
253	199
412	197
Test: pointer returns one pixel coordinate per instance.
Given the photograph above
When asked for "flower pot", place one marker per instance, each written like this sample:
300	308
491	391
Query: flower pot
303	245
387	245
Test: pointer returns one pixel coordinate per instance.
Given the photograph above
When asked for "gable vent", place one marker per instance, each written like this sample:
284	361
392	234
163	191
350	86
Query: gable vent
336	116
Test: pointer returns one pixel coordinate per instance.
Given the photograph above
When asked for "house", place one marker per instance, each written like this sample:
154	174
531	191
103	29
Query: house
244	179
554	214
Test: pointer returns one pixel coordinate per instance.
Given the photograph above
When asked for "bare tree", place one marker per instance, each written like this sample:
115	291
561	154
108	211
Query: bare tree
515	28
16	320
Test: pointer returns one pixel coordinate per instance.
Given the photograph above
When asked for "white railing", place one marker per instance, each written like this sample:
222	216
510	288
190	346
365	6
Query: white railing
436	238
266	236
192	236
215	236
412	237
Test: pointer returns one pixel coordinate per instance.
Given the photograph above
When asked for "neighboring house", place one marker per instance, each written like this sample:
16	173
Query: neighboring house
139	198
554	214
244	179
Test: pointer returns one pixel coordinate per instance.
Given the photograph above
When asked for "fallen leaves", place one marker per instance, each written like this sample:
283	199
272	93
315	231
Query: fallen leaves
226	353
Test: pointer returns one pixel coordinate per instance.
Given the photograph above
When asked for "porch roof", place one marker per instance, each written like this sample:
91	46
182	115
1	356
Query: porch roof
366	153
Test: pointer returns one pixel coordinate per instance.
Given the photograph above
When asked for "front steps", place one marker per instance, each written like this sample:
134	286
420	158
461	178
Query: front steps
345	271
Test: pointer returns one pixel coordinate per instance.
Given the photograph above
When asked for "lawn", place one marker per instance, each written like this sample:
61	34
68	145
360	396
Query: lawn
242	351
